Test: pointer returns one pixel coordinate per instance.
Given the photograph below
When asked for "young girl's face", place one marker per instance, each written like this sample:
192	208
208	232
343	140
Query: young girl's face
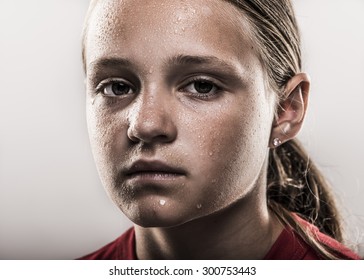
178	112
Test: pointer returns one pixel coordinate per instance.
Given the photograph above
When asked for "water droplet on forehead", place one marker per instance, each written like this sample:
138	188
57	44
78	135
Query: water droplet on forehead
199	206
162	202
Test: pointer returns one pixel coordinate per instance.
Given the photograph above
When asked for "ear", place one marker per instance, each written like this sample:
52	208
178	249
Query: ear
291	110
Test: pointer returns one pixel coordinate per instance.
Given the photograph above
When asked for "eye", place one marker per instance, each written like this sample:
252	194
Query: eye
117	88
114	88
201	87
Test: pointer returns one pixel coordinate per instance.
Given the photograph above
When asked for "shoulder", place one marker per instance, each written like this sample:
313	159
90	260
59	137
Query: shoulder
122	248
291	246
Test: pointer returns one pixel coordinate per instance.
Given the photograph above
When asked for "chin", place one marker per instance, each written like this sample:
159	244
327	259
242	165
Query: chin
151	217
149	222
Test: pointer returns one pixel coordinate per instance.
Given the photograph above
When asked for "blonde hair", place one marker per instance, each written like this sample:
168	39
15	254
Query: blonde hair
91	7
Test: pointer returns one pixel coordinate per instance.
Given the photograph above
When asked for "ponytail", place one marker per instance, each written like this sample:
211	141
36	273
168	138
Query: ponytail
296	185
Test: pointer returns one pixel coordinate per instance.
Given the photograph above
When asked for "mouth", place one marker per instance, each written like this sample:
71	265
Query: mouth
153	171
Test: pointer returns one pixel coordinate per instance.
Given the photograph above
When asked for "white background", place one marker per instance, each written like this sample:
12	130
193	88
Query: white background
52	204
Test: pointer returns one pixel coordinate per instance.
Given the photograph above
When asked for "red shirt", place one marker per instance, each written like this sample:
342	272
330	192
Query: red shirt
288	246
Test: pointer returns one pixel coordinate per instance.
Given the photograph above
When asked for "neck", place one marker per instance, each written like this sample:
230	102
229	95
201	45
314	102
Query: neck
245	230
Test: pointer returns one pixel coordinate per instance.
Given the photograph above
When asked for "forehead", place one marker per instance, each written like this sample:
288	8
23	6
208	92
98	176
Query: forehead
159	26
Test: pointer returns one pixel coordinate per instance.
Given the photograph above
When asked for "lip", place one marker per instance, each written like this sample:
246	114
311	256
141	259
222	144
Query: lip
155	170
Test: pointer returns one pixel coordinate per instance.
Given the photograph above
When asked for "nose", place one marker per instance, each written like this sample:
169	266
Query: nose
151	119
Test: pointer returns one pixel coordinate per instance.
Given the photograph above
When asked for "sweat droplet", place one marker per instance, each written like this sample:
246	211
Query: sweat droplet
199	206
162	202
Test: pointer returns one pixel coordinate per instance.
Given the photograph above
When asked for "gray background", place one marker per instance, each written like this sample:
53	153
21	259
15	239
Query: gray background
52	205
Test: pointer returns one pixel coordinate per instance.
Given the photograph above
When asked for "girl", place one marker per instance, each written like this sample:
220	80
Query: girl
192	110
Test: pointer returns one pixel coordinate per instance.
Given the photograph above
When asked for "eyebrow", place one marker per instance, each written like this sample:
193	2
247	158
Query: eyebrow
112	62
185	60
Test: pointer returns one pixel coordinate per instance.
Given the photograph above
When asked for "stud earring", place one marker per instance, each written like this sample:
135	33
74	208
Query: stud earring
276	142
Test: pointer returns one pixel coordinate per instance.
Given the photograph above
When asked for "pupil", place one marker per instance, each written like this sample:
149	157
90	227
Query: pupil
203	87
120	88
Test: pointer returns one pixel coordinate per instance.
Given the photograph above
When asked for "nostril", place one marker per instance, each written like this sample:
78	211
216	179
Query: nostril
152	132
133	138
162	129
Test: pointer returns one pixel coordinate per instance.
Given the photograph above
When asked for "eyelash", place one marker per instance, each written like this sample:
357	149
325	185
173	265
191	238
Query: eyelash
100	89
194	80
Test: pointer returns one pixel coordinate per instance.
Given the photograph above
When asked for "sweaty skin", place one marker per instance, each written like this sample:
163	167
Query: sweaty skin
179	118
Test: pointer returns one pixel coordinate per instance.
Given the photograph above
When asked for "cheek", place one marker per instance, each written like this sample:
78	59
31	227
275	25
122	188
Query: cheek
107	137
232	145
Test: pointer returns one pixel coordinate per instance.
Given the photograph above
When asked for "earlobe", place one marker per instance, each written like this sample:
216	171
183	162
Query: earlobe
291	110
